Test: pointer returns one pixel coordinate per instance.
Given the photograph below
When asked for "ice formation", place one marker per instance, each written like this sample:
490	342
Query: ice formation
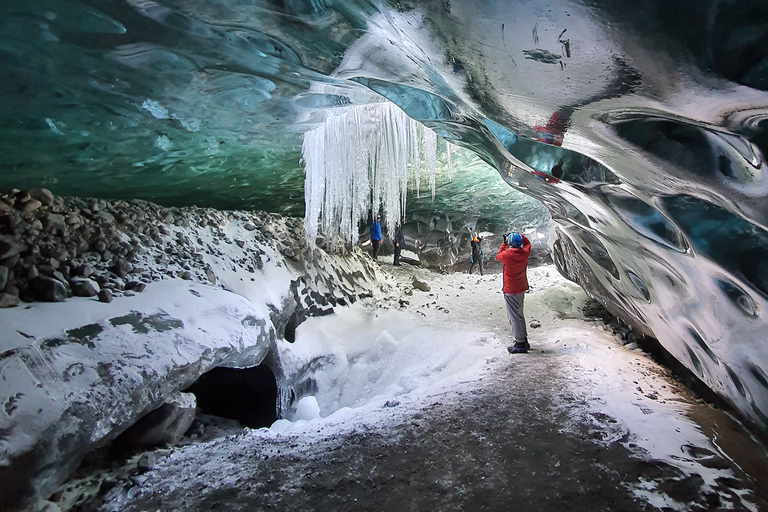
640	126
359	162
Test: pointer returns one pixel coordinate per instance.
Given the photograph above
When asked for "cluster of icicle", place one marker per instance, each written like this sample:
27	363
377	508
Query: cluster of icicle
359	162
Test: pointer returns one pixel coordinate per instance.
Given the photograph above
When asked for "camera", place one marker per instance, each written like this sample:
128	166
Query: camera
506	238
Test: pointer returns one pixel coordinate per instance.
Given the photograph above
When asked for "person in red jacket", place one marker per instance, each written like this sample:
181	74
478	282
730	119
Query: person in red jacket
513	254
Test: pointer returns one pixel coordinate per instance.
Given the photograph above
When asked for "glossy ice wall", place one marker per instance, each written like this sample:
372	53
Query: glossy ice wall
640	125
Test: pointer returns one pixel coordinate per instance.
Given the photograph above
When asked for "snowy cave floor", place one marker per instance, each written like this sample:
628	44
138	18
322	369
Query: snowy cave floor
581	422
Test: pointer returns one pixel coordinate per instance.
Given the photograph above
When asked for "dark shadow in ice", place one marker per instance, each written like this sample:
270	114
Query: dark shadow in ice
739	43
593	247
738	297
248	395
644	218
730	241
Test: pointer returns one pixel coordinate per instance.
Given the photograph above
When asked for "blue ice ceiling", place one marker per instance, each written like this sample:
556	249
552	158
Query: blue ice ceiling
640	125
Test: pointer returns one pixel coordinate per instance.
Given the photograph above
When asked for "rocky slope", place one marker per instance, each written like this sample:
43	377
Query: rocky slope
152	298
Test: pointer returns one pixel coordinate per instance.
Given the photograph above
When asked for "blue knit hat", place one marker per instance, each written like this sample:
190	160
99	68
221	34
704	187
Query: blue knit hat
515	240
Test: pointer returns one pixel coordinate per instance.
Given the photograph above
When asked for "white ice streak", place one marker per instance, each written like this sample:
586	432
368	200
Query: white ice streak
359	161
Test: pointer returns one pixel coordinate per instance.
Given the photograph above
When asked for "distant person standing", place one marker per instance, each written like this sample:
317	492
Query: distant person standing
477	254
513	255
376	236
399	242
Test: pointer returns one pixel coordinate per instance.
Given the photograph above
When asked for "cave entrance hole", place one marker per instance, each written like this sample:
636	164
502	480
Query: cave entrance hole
248	395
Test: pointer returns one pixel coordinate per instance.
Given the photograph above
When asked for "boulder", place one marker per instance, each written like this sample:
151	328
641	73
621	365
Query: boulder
30	206
3	277
105	295
48	289
9	247
121	267
55	222
43	195
420	285
164	426
83	287
8	300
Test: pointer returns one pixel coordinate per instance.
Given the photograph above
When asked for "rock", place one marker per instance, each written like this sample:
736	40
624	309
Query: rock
48	289
104	217
3	277
9	246
249	227
105	295
535	324
420	285
60	254
85	270
146	462
121	267
83	287
209	273
22	197
61	278
30	206
43	195
140	287
185	275
10	262
55	222
46	270
99	246
32	273
46	506
165	425
8	300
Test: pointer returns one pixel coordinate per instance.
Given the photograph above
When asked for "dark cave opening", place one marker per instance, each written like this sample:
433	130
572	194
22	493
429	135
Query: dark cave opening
248	395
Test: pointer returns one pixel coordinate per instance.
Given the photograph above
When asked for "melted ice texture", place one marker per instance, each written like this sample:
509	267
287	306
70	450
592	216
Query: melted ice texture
640	126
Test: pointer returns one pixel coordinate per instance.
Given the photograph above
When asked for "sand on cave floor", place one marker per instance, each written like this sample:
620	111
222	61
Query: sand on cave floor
582	422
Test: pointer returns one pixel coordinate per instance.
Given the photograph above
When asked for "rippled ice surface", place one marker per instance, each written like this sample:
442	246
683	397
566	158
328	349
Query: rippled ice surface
641	127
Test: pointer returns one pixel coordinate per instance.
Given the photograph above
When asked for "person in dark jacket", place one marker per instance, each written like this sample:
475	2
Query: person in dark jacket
399	242
477	254
513	254
376	236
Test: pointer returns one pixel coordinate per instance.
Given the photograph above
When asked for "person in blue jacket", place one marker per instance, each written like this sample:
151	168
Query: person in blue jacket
376	236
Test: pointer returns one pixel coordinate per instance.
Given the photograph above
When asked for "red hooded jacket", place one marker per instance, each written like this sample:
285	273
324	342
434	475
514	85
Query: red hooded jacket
515	261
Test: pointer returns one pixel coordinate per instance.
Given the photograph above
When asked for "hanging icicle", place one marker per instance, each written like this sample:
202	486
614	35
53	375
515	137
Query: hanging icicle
360	161
448	169
430	157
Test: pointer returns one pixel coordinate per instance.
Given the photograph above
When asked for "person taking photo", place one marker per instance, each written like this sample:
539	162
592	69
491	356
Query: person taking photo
513	255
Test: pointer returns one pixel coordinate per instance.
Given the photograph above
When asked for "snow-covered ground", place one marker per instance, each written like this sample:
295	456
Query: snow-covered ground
380	364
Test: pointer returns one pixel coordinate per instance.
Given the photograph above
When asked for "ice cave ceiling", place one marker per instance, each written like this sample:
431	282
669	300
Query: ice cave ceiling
640	125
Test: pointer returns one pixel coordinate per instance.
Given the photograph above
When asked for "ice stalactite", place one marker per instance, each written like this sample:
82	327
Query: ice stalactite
430	157
448	168
360	161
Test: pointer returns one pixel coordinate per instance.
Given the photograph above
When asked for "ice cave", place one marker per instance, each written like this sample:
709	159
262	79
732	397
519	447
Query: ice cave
185	271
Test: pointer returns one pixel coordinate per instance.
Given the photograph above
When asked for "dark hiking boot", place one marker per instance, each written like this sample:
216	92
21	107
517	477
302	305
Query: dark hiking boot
519	348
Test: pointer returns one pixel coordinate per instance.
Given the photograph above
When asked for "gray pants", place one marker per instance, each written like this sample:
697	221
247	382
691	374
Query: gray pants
515	315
